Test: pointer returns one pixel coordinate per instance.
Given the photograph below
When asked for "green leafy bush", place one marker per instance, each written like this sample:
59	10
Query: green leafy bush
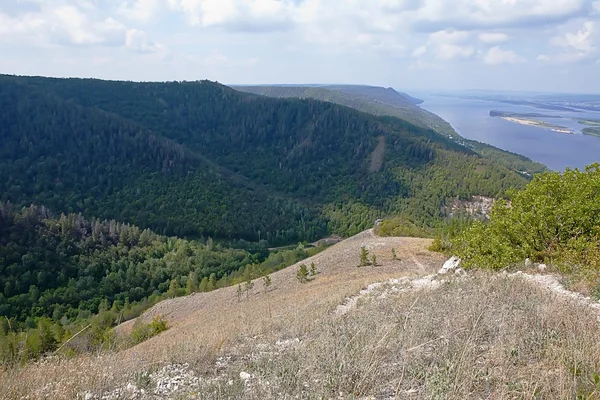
142	332
555	219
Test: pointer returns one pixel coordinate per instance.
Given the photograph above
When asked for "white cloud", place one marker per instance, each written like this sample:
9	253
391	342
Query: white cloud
470	14
447	45
249	15
140	10
497	56
447	51
487	37
580	41
418	52
449	36
137	41
70	23
577	46
562	58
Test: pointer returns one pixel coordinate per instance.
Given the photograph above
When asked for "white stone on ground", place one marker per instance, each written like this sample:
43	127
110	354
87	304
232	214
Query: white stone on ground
450	265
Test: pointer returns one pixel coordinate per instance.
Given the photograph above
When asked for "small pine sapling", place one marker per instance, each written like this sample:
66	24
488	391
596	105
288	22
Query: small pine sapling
267	283
239	292
394	257
364	257
248	285
302	274
374	260
313	269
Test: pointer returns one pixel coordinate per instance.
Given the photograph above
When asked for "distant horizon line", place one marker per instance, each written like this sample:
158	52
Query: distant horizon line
414	90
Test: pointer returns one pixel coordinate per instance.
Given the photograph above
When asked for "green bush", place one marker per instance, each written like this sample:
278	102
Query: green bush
401	227
142	332
555	219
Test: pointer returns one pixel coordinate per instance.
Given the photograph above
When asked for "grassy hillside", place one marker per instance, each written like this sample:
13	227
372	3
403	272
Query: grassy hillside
200	159
380	101
407	336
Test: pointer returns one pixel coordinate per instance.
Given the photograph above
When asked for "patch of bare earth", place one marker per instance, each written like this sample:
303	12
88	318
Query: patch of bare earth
408	333
377	155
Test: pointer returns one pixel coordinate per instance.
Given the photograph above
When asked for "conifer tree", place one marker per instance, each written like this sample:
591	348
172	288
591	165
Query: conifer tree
267	282
239	292
212	282
394	257
203	285
313	269
374	260
248	285
302	274
191	284
364	257
173	288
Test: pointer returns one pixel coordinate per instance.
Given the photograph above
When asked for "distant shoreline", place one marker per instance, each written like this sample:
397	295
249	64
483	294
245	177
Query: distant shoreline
538	124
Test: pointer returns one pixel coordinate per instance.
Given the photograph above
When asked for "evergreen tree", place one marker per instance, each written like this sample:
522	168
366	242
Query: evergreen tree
203	287
267	283
394	257
248	285
313	269
212	282
364	257
191	284
173	288
302	274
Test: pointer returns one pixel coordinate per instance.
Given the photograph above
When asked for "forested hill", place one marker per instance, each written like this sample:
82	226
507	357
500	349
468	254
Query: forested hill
387	101
201	159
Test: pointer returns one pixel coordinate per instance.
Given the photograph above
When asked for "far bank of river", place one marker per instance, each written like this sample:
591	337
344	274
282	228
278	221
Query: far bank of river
471	119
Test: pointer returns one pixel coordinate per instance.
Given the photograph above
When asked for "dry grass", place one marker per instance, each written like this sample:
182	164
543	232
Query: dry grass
481	337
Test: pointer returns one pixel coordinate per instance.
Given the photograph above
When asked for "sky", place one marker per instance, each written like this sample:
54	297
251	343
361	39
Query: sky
530	45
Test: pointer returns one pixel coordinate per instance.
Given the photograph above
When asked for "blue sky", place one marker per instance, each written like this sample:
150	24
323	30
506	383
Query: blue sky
539	45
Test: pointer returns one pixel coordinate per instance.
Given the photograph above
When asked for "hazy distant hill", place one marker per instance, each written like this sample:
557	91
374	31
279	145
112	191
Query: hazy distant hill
381	101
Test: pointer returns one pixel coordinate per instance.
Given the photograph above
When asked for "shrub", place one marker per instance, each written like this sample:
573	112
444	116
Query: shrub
142	332
555	219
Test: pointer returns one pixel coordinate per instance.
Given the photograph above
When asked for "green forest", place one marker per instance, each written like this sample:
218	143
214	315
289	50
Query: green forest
198	159
388	102
61	270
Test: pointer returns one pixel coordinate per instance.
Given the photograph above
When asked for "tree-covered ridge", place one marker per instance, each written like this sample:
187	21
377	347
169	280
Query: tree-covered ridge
78	159
199	158
381	102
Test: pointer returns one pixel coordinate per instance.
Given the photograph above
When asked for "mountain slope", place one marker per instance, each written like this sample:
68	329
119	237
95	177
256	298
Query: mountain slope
406	334
80	159
199	158
381	101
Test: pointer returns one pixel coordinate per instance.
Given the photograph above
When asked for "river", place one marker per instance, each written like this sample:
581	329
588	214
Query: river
471	119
